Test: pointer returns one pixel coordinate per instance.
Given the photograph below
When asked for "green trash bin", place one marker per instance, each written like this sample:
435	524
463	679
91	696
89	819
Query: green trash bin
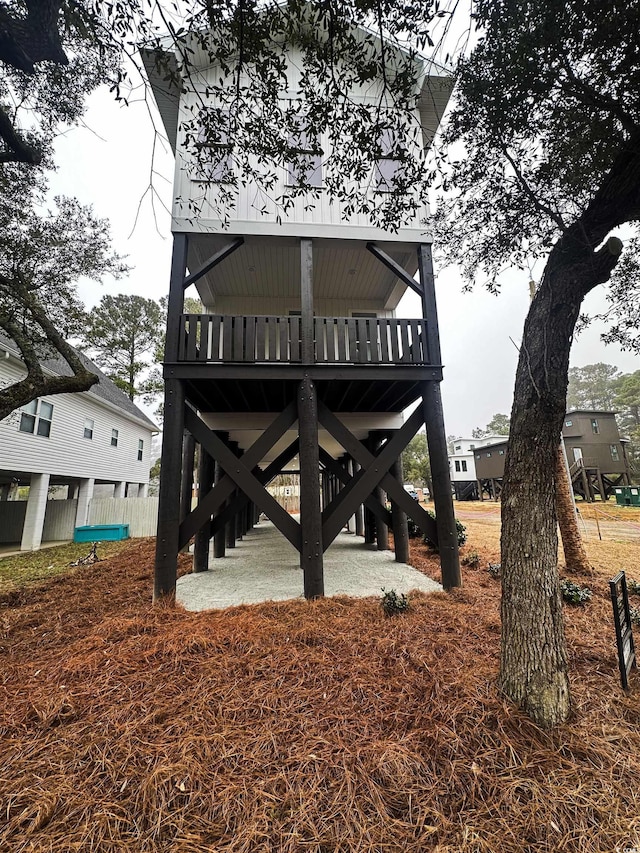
627	495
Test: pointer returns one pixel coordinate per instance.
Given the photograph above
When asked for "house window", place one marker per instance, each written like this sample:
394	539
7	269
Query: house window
472	447
36	418
88	428
488	455
501	453
458	447
568	423
387	166
305	166
214	147
140	449
457	465
464	465
477	456
594	426
614	452
114	437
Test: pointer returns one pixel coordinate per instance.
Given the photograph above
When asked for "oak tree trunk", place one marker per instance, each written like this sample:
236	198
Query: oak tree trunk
575	555
533	663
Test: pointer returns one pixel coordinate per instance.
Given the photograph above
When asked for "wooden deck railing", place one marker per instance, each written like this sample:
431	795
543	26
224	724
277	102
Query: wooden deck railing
337	340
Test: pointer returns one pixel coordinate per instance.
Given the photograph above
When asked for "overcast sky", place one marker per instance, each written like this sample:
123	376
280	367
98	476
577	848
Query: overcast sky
108	164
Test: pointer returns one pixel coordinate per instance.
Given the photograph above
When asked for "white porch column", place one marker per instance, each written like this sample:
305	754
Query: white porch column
84	498
34	516
120	489
143	490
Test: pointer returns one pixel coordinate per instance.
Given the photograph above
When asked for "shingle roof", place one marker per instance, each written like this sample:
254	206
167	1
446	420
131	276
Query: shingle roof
105	389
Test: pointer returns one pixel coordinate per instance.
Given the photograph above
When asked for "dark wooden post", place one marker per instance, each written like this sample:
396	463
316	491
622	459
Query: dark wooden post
306	301
219	540
400	525
310	517
346	464
354	468
382	530
186	493
369	517
203	536
166	560
436	434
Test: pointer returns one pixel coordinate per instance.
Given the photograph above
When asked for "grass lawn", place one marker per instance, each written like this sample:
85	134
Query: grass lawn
32	567
298	726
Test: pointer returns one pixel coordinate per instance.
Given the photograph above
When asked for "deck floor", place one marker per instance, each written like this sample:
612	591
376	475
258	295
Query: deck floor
264	566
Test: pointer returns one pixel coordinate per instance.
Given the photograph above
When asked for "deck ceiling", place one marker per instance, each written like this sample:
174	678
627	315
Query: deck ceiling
270	267
246	429
360	395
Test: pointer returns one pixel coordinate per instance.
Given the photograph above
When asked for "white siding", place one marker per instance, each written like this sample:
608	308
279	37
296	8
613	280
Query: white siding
280	307
65	453
257	214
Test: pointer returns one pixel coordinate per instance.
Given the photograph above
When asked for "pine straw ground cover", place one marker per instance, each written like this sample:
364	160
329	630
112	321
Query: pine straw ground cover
300	726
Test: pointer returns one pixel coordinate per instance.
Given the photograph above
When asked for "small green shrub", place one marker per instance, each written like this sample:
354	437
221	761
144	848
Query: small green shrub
634	613
461	531
573	593
472	559
495	570
392	603
633	587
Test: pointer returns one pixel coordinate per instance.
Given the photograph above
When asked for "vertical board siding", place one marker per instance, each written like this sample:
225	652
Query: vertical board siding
59	521
141	514
12	514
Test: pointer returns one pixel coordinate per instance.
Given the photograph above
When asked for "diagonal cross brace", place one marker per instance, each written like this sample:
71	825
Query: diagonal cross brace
236	468
214	499
372	472
371	503
265	477
364	458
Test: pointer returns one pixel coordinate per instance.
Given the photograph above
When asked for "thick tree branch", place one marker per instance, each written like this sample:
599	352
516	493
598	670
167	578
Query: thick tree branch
37	383
18	150
589	95
35	38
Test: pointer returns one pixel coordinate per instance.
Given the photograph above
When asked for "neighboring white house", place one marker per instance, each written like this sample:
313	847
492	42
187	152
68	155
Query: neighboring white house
69	441
462	461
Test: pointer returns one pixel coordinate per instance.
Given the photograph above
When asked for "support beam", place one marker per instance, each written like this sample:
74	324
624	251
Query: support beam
225	488
213	261
265	477
395	268
219	536
368	478
203	536
36	511
188	460
306	301
167	541
436	435
395	491
85	494
377	509
382	528
311	550
400	526
243	477
360	509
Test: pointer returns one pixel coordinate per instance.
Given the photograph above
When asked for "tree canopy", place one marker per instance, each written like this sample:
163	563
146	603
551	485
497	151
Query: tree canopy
592	387
415	461
548	125
123	333
43	252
